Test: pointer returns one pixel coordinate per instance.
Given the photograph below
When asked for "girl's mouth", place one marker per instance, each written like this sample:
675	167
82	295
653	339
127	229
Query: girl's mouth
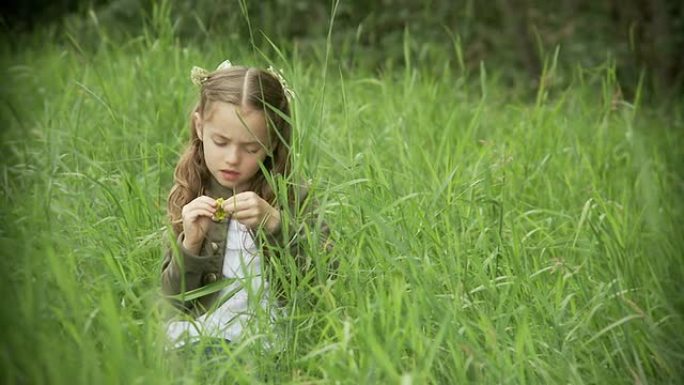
229	175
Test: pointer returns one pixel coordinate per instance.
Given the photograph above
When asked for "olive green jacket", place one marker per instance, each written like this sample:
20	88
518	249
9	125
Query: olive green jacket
183	271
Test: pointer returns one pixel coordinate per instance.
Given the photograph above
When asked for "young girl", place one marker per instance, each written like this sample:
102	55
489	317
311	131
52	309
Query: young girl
223	206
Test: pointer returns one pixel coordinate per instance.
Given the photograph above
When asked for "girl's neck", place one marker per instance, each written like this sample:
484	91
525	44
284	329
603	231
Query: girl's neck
215	190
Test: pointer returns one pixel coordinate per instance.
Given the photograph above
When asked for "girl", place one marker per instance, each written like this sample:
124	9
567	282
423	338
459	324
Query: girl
224	209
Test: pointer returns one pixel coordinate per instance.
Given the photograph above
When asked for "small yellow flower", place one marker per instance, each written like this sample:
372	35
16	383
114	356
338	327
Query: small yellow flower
220	213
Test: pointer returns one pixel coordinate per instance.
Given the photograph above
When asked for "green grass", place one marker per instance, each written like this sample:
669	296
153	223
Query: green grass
481	238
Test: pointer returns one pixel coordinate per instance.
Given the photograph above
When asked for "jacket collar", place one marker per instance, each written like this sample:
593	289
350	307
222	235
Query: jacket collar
215	190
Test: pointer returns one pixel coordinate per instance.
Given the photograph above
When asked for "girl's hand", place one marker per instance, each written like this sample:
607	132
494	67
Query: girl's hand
252	211
196	219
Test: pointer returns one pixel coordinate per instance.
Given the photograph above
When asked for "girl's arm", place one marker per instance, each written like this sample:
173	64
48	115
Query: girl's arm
188	268
183	271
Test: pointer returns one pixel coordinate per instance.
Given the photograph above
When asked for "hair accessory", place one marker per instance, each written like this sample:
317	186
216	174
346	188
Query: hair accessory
224	65
198	75
279	75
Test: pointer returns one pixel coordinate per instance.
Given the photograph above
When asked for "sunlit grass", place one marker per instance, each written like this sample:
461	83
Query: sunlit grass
481	238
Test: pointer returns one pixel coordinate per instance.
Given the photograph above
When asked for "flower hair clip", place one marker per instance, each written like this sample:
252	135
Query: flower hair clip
224	65
199	75
279	75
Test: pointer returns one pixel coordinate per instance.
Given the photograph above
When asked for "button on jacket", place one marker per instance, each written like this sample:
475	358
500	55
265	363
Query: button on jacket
196	270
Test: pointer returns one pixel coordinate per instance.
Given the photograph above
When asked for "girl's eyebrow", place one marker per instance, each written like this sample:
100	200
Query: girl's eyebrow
230	140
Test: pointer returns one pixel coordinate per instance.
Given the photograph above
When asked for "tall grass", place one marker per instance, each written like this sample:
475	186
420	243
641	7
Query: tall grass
481	238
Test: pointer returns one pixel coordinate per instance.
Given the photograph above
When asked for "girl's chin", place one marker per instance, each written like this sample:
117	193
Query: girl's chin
229	184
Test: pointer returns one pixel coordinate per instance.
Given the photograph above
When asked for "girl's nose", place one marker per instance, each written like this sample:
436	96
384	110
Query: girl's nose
232	155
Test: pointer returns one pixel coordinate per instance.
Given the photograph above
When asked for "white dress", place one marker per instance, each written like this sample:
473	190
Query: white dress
231	319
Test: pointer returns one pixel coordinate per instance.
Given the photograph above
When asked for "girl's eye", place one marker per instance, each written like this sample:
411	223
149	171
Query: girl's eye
252	150
220	144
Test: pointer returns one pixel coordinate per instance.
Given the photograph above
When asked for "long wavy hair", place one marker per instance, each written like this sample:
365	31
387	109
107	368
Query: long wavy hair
240	86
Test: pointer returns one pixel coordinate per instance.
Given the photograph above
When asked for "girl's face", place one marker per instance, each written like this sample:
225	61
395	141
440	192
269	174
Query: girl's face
235	141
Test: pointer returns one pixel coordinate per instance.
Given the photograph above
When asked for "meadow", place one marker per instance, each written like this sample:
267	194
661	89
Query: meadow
482	236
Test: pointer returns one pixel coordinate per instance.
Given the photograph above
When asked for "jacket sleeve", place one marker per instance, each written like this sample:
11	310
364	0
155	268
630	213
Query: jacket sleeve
183	271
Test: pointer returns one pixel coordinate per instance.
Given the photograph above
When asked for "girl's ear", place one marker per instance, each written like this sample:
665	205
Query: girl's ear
197	121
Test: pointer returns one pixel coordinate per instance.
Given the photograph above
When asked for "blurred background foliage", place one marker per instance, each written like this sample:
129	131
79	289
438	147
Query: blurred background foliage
516	37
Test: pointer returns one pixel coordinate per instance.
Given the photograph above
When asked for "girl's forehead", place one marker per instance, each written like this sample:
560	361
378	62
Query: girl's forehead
236	122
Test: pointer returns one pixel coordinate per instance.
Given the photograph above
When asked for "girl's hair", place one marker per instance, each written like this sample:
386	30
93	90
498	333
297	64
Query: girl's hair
240	86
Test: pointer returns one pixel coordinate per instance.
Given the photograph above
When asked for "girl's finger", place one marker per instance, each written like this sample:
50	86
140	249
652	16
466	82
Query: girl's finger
195	213
233	206
244	196
232	201
247	195
202	204
208	200
245	214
